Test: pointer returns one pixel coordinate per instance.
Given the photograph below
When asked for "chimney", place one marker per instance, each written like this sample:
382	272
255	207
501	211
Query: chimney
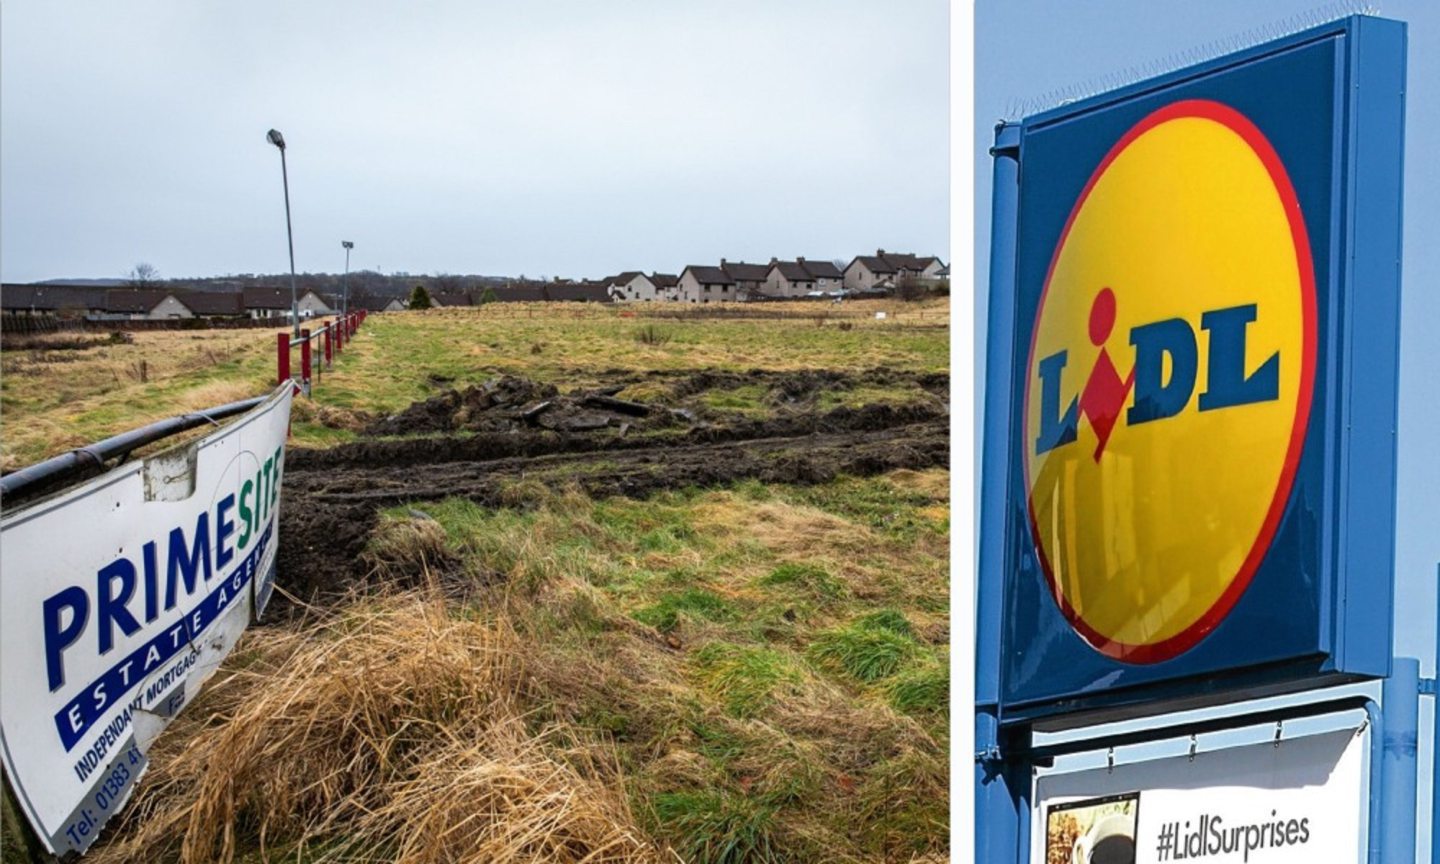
799	259
722	262
774	260
879	251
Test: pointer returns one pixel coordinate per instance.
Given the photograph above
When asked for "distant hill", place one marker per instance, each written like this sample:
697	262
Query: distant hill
107	283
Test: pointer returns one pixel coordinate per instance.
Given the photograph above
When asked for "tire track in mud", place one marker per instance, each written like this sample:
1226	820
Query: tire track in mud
332	497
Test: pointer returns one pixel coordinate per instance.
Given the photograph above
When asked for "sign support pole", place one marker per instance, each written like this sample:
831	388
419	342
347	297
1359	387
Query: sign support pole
1433	688
1000	803
1400	704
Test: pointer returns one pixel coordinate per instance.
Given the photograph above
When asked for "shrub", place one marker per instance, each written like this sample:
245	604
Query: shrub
652	335
419	298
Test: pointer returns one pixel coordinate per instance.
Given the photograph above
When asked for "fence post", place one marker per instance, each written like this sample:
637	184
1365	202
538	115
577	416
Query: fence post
326	332
282	365
305	359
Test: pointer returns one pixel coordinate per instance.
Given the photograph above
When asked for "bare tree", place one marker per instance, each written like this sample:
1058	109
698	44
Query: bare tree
448	283
910	288
143	275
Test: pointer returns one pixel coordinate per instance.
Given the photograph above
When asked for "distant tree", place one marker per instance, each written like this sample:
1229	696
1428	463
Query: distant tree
448	283
910	288
750	292
420	298
488	296
143	275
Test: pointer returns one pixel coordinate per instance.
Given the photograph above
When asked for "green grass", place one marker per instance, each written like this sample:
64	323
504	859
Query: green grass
712	827
875	502
869	649
742	677
732	739
665	614
396	358
810	578
748	399
865	394
923	689
890	620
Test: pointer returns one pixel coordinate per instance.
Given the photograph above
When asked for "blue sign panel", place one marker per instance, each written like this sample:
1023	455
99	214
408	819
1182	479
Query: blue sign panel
1200	495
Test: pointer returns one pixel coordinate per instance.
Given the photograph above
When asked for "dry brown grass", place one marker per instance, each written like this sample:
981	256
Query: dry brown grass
495	698
393	731
49	406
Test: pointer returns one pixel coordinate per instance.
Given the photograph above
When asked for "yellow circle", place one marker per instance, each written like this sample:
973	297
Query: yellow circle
1148	544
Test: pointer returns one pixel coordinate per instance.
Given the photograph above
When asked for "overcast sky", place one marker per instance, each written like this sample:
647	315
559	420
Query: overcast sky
556	138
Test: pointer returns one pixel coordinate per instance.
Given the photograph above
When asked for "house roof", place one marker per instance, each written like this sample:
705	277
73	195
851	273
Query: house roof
873	263
708	275
743	272
373	302
213	302
597	292
821	269
664	280
623	278
517	292
51	297
454	298
793	271
884	263
259	297
906	261
137	300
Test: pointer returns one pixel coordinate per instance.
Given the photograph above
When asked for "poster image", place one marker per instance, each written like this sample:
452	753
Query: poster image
1093	831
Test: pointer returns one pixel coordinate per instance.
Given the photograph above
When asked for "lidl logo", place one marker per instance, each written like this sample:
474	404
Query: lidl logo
1169	381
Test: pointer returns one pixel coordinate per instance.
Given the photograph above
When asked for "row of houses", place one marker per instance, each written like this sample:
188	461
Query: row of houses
696	283
99	303
741	281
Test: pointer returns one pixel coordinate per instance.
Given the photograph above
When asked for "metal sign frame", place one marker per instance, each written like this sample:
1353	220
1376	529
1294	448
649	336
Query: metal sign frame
1340	136
1366	226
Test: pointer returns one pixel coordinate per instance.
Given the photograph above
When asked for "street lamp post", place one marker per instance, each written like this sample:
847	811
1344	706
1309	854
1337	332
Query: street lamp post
345	280
274	137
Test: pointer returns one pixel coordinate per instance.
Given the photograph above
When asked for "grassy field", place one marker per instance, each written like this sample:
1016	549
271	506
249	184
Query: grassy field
748	672
52	401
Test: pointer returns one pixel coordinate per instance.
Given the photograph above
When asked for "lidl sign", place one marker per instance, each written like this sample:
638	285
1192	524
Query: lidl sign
1203	379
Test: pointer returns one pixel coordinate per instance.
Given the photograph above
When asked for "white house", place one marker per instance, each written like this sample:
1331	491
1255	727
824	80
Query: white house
275	303
632	286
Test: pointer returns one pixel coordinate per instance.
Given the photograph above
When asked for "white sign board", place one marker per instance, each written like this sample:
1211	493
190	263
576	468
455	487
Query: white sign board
118	598
1295	803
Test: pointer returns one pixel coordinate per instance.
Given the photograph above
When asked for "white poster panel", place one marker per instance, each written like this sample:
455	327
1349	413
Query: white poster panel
1295	803
118	598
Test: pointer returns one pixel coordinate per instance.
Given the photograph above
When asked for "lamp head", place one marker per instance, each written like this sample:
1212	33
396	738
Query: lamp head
347	244
274	137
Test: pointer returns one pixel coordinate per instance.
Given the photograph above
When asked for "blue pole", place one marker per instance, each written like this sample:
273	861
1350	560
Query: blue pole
1435	735
998	785
1400	705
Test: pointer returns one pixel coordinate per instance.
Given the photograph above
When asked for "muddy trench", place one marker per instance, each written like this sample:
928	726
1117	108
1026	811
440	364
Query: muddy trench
478	442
